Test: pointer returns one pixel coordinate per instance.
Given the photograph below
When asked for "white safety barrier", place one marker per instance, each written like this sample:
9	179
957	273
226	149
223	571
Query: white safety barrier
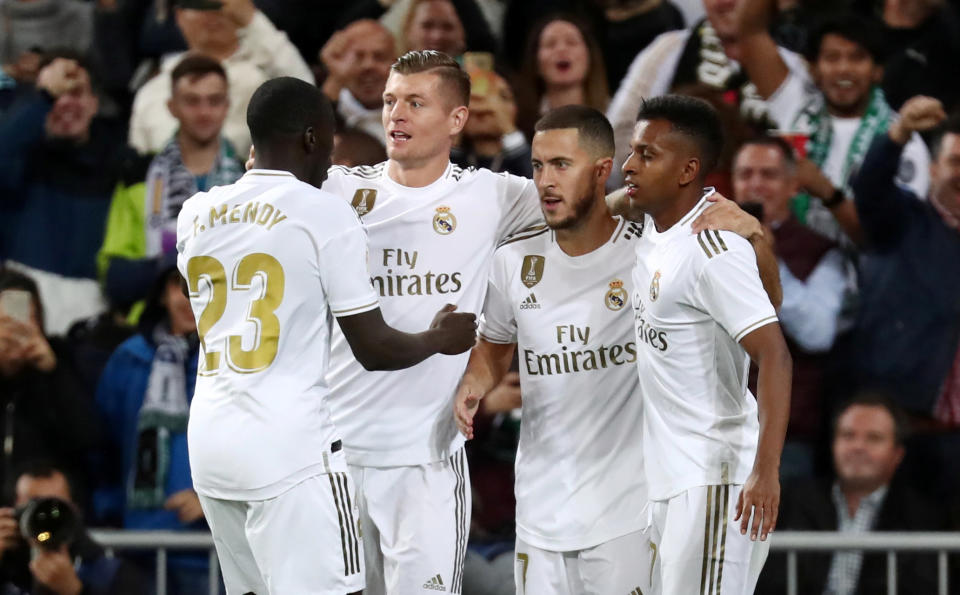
790	542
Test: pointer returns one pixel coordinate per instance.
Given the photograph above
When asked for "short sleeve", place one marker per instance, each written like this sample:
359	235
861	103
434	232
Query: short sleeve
789	100
498	323
914	170
521	206
729	288
344	272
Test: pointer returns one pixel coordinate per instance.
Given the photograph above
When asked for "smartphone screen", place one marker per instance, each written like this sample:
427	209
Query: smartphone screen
15	303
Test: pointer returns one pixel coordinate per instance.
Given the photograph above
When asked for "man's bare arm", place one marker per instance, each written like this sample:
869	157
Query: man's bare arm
758	51
761	494
488	364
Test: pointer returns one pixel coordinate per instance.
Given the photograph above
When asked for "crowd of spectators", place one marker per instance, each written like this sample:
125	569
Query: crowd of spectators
843	139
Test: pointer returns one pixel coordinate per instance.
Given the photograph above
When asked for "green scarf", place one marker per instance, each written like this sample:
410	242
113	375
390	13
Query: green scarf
875	121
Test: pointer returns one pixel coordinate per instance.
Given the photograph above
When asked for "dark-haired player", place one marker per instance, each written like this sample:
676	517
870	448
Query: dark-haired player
701	315
268	262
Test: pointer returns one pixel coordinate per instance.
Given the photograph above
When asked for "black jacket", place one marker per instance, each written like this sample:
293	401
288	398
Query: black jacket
809	507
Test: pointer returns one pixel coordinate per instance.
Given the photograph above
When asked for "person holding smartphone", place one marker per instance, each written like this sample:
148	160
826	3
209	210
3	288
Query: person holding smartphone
43	412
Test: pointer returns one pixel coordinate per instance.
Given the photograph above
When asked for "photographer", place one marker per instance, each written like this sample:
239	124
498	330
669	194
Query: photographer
70	563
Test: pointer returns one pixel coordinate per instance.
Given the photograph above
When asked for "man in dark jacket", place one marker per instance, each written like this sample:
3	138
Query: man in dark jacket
43	411
866	496
58	168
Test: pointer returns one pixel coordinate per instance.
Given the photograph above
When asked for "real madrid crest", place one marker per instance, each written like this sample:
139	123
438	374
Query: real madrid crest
616	298
363	200
531	271
444	222
655	287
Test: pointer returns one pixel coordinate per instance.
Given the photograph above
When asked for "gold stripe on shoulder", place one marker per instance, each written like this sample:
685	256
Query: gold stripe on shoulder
720	239
703	245
711	242
525	234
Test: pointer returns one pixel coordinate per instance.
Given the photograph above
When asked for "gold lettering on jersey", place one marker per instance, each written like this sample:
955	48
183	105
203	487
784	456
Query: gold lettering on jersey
250	212
255	213
647	334
568	361
394	283
616	298
363	200
444	222
569	332
218	216
399	257
531	270
655	287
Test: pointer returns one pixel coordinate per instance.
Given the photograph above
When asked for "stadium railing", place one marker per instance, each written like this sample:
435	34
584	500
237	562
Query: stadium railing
790	542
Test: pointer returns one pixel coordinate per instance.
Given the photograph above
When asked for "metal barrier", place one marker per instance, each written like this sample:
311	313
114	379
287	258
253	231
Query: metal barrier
113	540
789	541
891	543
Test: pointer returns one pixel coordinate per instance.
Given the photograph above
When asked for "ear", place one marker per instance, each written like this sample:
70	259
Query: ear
690	172
458	119
310	141
877	74
602	169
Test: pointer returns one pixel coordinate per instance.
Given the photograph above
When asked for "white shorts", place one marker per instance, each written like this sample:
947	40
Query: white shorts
621	566
416	521
723	561
304	541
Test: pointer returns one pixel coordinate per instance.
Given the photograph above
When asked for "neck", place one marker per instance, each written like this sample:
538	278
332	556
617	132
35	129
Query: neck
854	495
282	161
221	52
675	209
565	95
590	233
487	146
198	156
854	111
420	174
731	47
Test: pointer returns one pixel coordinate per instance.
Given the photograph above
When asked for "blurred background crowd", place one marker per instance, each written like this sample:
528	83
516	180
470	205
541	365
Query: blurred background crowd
114	112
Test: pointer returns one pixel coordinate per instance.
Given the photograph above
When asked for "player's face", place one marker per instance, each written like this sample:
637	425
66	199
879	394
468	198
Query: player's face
654	170
845	71
562	54
200	104
761	175
373	53
73	111
945	174
436	26
420	118
566	177
865	451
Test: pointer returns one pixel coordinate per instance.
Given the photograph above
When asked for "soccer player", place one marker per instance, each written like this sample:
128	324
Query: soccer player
560	294
268	261
701	315
433	228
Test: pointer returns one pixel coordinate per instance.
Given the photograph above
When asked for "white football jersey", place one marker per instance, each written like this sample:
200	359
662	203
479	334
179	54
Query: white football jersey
579	469
694	298
429	247
269	260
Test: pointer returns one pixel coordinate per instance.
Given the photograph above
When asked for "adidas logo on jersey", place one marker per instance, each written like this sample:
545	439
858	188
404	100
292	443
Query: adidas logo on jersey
435	584
530	303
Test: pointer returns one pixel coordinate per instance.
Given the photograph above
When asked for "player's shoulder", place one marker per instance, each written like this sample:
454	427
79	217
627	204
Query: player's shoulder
712	245
535	235
360	174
